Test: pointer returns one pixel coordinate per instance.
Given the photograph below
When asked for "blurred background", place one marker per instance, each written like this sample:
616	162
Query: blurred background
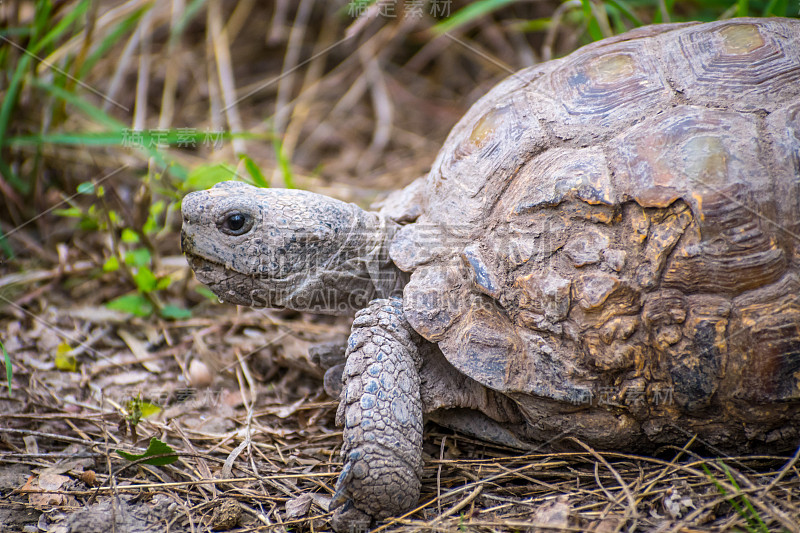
110	111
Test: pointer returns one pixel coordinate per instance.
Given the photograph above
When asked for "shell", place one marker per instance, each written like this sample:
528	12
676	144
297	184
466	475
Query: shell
625	222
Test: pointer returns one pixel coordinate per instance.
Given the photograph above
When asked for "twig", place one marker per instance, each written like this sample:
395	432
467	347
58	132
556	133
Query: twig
783	471
631	509
463	503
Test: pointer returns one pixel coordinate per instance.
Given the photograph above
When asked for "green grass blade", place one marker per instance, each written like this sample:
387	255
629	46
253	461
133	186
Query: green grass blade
115	136
467	14
20	31
626	10
7	361
534	25
93	112
658	18
742	8
6	246
110	138
61	27
41	19
148	141
753	519
594	28
776	8
125	27
283	163
750	517
615	19
188	14
722	490
20	185
10	98
255	172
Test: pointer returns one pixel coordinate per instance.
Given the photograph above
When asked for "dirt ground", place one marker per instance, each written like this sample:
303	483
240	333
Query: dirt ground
360	106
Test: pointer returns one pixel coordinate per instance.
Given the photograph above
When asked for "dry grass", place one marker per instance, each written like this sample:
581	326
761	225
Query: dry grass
360	107
263	436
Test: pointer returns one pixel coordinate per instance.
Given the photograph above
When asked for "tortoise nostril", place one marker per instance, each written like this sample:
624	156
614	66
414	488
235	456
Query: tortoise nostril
192	206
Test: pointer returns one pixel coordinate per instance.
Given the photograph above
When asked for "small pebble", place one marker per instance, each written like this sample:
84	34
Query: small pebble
88	477
199	374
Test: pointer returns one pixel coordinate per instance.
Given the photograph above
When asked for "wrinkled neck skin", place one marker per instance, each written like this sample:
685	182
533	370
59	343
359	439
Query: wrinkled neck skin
358	272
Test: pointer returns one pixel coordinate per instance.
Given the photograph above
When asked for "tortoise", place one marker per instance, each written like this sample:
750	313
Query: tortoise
607	247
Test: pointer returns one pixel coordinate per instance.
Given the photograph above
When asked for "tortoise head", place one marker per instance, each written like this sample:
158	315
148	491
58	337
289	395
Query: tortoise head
282	248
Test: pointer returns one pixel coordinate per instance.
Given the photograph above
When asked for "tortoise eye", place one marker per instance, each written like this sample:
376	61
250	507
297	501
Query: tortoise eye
236	223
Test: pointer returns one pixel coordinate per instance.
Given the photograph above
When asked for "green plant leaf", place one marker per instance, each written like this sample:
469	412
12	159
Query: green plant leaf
139	409
111	264
16	32
157	207
7	362
129	236
152	224
255	172
135	304
73	212
89	224
67	96
206	176
65	361
149	409
469	13
145	279
156	447
139	257
87	187
205	291
174	312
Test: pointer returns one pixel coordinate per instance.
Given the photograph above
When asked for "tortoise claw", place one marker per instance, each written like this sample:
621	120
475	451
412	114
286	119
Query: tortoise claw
342	494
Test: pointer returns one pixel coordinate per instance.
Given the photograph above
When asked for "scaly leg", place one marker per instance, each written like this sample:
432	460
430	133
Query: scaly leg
381	410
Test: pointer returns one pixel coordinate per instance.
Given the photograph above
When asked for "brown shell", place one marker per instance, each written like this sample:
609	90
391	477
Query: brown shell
624	221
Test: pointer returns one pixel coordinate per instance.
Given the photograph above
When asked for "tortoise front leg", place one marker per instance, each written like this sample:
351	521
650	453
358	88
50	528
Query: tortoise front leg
381	411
